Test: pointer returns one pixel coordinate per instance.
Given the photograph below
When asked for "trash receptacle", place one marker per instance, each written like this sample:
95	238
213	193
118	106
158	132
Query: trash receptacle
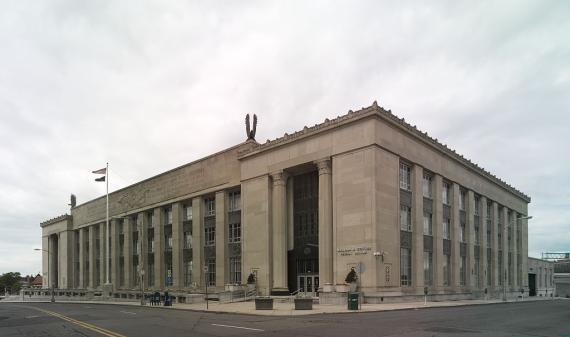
353	301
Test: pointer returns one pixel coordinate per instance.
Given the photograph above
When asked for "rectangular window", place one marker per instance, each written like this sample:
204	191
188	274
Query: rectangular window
462	237
462	265
477	269
150	219
405	218
235	270
446	229
405	267
446	269
234	201
188	273
462	200
405	177
502	274
187	240
210	208
426	185
500	235
136	246
428	268
168	216
120	224
211	274
151	243
151	273
445	193
489	257
234	233
168	240
168	274
209	236
188	212
477	239
427	223
488	238
477	205
489	207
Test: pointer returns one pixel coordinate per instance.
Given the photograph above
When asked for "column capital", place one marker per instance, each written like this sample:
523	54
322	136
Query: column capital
323	165
279	177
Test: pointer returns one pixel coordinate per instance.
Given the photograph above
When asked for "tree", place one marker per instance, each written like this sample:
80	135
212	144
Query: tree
11	282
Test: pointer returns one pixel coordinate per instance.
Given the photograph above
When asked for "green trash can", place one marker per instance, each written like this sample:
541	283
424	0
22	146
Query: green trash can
353	301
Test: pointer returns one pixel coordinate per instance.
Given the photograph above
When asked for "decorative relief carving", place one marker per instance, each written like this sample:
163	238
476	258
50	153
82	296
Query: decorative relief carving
324	166
133	199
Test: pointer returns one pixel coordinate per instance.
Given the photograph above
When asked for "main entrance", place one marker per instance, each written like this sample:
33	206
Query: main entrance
308	284
303	259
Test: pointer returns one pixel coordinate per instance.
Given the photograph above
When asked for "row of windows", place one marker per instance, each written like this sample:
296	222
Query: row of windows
427	189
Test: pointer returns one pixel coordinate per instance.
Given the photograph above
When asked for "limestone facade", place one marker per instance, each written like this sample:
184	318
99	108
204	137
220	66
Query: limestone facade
365	190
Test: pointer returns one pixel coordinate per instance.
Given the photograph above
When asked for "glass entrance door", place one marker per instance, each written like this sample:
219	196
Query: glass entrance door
308	284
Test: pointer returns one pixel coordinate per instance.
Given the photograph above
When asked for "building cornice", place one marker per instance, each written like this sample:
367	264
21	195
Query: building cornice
55	220
387	116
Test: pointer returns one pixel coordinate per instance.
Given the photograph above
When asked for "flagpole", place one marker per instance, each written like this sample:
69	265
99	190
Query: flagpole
107	236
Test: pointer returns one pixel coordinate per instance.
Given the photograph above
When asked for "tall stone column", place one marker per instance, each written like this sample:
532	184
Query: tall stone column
81	284
470	232
197	240
114	271
483	232
102	254
177	246
455	236
52	274
142	223
418	229
128	252
495	245
222	266
159	267
505	243
279	212
92	275
437	232
524	253
325	222
514	227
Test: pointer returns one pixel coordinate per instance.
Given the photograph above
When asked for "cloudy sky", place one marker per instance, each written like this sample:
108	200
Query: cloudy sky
150	85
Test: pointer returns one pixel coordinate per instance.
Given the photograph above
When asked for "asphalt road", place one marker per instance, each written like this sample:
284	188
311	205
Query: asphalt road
541	318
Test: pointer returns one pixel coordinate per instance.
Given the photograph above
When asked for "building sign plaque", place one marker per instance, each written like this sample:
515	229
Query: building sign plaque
352	251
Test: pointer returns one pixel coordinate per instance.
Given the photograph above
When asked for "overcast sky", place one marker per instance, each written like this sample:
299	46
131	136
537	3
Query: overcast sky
151	85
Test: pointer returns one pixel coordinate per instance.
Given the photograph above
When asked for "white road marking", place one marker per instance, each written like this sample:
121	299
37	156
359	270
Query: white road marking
32	316
128	312
236	327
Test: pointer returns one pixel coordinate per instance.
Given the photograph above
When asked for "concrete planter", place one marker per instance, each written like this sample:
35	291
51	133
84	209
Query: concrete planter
263	303
303	304
342	288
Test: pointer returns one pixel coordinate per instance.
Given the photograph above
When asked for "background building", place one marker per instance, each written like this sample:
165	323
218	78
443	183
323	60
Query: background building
364	190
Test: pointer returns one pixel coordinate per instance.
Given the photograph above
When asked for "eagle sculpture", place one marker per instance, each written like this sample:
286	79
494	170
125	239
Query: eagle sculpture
250	132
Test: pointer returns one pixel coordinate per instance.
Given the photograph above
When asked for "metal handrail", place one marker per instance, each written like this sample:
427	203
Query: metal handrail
294	293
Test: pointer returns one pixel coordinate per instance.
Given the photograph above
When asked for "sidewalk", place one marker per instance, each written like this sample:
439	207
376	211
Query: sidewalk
287	308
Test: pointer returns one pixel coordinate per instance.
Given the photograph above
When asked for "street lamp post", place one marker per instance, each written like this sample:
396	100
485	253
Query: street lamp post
52	283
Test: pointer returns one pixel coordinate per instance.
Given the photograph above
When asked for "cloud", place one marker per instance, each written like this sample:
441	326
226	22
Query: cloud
151	85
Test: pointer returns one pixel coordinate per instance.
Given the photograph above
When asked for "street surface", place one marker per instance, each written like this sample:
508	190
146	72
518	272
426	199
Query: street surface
540	318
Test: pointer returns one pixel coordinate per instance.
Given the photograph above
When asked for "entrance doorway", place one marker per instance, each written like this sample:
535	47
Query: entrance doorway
531	284
303	259
308	284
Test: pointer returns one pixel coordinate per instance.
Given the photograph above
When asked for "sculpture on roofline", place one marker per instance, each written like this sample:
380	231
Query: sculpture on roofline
248	130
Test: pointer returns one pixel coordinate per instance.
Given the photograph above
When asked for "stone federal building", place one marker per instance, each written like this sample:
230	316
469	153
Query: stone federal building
364	190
